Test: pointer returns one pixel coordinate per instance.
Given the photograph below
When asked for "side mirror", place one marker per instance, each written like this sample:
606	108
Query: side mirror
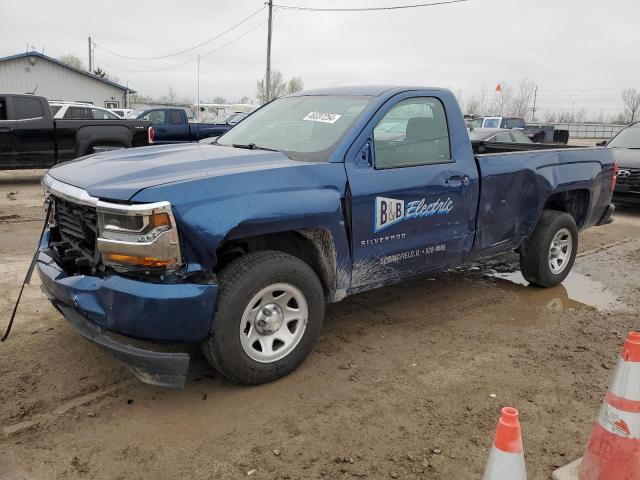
601	143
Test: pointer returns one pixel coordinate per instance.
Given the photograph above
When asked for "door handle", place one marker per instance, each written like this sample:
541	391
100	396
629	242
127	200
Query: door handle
6	129
454	181
457	181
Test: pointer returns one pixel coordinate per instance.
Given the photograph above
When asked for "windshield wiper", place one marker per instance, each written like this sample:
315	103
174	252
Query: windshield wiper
253	146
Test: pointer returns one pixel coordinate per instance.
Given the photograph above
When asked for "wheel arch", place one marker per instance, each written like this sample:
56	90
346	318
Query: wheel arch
574	202
315	246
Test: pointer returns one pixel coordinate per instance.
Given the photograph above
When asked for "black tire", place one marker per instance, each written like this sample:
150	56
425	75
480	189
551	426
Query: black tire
240	281
534	253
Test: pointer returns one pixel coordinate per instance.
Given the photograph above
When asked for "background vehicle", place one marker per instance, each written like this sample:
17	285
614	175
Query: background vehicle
498	135
121	112
31	138
237	246
171	125
501	122
546	134
80	111
626	152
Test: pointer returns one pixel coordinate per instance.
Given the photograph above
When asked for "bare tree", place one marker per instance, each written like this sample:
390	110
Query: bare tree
219	99
244	99
472	107
580	116
72	60
295	84
502	101
522	98
279	86
482	99
631	99
170	98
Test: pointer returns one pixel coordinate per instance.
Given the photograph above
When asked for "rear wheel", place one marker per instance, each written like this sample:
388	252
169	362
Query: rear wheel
546	257
268	317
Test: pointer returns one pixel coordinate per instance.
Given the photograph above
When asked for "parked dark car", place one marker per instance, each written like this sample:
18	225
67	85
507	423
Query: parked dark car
626	145
172	125
31	138
498	135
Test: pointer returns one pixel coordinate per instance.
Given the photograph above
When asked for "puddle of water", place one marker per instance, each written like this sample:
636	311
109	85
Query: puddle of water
577	291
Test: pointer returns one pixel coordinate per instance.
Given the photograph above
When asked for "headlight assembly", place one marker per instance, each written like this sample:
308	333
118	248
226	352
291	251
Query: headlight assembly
134	237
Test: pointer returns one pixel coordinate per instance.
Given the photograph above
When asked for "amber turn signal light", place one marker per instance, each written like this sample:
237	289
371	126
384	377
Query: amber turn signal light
160	220
136	261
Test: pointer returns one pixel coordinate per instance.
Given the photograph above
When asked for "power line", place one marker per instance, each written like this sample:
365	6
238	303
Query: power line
186	49
193	59
365	9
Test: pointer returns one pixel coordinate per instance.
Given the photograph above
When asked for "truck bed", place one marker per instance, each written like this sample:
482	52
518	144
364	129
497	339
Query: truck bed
514	182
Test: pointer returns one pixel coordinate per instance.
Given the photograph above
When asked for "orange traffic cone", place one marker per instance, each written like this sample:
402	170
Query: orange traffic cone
613	451
506	460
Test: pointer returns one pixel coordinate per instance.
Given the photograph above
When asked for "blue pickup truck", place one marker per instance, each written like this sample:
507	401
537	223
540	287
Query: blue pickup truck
171	125
237	246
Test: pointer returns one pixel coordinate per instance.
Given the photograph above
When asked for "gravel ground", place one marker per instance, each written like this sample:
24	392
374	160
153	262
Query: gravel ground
406	381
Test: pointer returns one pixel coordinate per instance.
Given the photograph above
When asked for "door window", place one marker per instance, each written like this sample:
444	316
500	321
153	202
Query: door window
78	113
28	108
3	108
99	114
413	132
156	117
176	118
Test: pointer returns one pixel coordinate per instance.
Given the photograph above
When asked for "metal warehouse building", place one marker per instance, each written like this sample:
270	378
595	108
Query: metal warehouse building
50	78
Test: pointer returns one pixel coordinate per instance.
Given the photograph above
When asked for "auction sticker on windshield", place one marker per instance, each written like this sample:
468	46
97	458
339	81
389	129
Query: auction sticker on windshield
322	117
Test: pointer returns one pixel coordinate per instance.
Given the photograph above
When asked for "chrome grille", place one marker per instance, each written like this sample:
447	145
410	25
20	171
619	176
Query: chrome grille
632	180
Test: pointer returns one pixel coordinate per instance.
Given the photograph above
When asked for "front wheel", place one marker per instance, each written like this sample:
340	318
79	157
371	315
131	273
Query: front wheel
268	317
546	257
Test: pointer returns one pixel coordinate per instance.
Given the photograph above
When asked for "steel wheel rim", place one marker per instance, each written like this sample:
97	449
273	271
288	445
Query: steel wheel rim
274	322
560	251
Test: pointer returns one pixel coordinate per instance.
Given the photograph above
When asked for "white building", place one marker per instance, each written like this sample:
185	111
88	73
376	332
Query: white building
50	78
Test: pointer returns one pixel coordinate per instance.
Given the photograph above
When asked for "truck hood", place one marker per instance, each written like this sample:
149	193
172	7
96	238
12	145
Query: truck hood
120	174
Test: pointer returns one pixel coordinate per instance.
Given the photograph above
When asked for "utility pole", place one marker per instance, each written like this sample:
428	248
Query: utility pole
198	107
535	96
90	56
267	77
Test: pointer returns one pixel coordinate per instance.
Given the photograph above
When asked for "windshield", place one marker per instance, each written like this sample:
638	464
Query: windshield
304	128
627	138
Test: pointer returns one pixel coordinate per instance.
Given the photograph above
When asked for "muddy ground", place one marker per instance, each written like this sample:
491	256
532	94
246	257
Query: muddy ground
406	382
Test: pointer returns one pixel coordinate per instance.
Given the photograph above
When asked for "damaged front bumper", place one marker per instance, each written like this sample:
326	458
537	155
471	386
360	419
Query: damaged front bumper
166	369
179	313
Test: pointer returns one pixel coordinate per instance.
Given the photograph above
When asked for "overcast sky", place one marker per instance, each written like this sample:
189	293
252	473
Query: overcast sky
581	53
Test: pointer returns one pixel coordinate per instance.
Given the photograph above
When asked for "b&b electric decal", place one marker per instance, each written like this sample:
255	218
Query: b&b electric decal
390	211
